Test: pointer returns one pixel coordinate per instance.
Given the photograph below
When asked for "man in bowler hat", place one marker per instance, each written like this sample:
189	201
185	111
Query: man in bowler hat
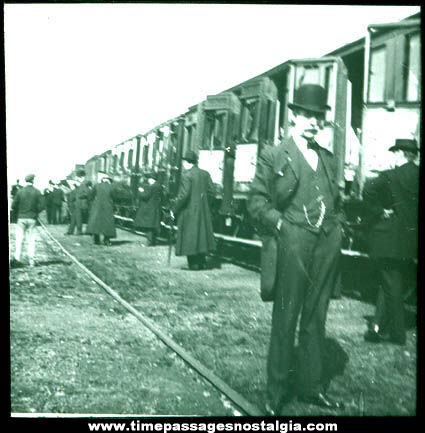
294	196
195	236
27	205
391	224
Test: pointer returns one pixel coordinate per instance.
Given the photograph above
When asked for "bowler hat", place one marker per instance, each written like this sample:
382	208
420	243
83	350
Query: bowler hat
409	144
30	178
310	97
191	156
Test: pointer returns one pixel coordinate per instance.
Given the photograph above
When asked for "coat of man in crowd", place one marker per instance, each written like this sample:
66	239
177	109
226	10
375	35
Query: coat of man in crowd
48	202
56	198
148	215
101	220
391	224
294	197
27	205
195	236
79	203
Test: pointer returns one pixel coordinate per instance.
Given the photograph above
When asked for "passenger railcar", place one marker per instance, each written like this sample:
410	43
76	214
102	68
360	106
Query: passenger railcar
374	91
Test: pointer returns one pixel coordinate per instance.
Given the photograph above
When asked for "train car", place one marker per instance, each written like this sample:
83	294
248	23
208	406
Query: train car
374	92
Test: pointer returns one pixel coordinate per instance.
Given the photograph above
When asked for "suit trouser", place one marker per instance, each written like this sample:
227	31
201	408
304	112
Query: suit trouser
389	314
76	221
56	214
25	227
307	269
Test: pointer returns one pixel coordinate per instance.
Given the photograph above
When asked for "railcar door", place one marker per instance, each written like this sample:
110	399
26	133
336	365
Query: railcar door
391	92
216	143
330	73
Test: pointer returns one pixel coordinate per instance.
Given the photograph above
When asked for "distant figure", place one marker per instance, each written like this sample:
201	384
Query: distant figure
195	236
15	188
391	223
48	203
80	204
57	197
71	198
101	219
27	205
148	216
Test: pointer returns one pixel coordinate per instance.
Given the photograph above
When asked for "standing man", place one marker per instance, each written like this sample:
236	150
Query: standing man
27	204
148	215
391	222
57	197
195	236
47	193
295	197
101	219
81	206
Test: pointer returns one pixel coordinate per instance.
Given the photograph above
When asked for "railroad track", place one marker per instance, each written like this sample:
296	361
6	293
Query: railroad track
244	405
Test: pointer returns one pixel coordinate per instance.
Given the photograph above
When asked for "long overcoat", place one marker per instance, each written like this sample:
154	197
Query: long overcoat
101	219
397	190
195	230
148	214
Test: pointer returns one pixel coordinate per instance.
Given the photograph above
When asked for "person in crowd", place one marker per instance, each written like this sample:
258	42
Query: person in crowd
148	215
71	198
57	197
27	205
15	188
47	193
391	227
101	220
195	236
81	205
295	198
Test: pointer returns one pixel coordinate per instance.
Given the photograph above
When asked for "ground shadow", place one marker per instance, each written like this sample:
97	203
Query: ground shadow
117	243
52	262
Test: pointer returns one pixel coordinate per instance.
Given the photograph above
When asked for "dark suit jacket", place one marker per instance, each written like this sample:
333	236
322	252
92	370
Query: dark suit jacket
149	212
397	190
195	231
276	181
28	203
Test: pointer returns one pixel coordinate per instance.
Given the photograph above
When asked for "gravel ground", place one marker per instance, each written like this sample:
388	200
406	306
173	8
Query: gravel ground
216	315
75	350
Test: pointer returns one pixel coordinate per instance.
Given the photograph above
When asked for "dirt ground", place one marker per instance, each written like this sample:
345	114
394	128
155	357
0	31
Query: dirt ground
75	350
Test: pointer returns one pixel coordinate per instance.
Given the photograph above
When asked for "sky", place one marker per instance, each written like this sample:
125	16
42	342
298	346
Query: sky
81	78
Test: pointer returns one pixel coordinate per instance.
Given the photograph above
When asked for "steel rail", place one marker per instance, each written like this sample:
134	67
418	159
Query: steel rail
234	396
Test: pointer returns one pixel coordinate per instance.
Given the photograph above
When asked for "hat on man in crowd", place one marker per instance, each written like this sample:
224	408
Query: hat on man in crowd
191	156
311	97
409	144
30	178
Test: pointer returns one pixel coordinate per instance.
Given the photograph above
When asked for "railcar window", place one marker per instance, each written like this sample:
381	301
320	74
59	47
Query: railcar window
130	159
115	166
412	68
249	126
122	159
377	75
307	75
145	155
